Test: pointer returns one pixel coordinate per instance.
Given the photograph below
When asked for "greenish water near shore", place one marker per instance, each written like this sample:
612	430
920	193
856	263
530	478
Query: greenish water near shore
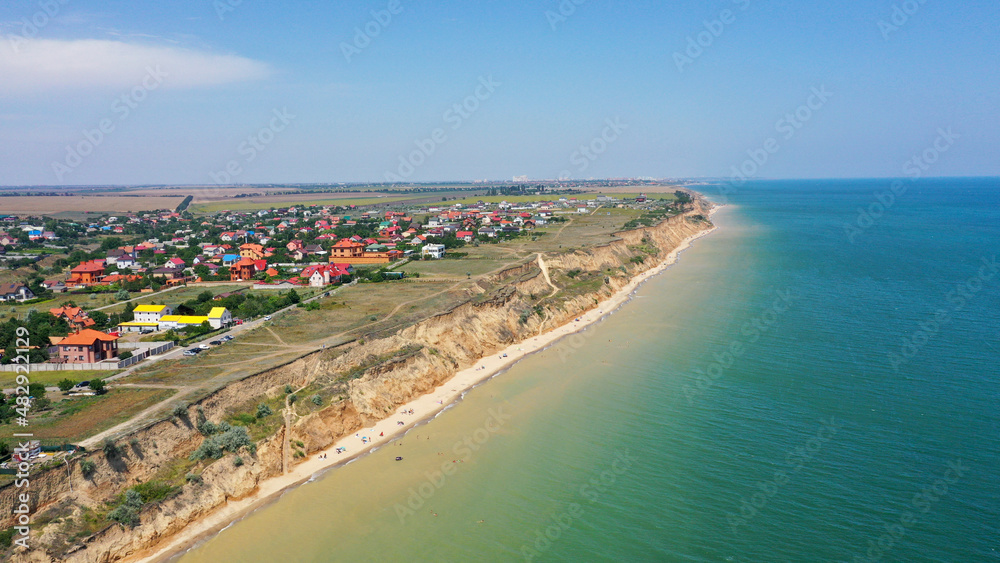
780	394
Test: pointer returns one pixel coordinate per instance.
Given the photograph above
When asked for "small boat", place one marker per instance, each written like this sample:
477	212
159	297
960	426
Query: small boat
399	458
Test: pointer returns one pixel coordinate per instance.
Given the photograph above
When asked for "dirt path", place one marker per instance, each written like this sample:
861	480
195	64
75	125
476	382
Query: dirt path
275	335
96	439
545	272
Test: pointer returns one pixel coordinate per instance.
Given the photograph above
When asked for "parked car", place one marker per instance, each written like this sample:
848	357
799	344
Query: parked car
267	317
83	384
191	352
204	346
238	321
216	342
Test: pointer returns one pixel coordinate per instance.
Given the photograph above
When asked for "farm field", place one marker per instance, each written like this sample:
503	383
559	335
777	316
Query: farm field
77	205
257	203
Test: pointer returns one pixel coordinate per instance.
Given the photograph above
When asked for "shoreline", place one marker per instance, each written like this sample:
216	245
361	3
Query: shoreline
425	408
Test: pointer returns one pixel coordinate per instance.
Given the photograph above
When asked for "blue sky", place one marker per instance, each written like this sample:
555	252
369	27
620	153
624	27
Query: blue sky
202	92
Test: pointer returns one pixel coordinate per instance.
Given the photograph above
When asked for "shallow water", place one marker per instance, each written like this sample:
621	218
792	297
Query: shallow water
744	406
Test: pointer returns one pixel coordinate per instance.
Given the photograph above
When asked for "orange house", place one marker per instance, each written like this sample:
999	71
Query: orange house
242	270
87	273
347	251
87	346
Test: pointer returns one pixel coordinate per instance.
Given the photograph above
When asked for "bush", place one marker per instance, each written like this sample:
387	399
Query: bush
66	384
288	389
110	449
124	355
317	400
238	461
292	398
122	295
180	411
231	441
207	428
127	514
87	467
193	478
98	386
263	410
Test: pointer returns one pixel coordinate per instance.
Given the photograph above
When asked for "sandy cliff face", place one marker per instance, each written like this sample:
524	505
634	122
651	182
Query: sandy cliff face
513	306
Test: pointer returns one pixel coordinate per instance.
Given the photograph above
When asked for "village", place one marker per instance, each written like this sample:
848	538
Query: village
274	251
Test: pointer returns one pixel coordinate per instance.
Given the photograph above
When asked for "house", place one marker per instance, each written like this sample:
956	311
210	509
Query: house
55	286
252	251
75	316
87	273
87	346
7	240
243	270
15	292
219	317
467	236
325	274
487	231
151	313
435	251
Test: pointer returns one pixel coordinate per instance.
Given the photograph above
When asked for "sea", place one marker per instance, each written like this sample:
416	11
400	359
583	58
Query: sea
818	380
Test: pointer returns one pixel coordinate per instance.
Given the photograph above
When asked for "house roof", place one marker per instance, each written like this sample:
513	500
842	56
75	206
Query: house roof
183	319
149	309
216	312
86	337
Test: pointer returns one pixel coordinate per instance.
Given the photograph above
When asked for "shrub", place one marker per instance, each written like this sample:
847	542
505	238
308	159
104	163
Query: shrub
292	398
98	385
87	467
180	411
263	410
207	428
288	389
127	514
237	461
193	478
134	442
317	400
230	441
124	355
110	449
66	384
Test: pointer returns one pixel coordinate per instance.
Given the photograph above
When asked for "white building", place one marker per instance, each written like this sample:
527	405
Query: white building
151	313
433	250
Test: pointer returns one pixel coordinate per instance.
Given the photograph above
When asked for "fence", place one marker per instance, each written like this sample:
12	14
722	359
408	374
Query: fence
136	358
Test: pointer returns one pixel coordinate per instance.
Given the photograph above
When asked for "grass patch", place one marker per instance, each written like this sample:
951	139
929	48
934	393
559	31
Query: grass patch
76	419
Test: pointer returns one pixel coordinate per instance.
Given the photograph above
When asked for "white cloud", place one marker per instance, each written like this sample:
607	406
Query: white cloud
44	65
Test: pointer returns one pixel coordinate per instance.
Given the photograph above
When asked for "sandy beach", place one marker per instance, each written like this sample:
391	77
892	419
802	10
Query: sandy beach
410	414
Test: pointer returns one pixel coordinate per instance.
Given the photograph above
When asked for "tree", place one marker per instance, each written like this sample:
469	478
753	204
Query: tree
293	296
100	318
66	384
122	295
205	295
98	385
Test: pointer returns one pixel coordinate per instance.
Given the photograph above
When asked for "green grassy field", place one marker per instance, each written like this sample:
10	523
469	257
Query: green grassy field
247	204
50	378
78	418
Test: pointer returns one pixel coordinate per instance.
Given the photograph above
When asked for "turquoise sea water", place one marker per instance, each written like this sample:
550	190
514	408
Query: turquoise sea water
791	390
